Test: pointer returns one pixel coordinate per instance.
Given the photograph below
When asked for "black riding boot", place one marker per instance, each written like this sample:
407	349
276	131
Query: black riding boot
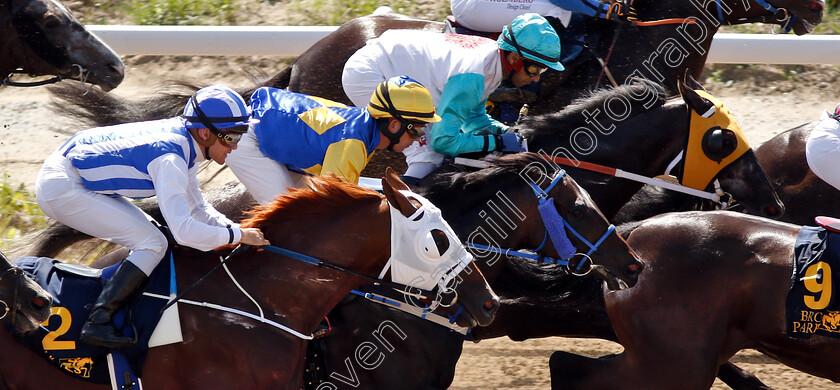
122	287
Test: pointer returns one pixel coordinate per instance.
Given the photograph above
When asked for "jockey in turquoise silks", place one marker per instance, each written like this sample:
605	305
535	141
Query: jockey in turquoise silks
460	72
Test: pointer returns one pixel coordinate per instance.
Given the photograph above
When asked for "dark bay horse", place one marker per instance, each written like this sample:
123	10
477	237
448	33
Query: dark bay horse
804	195
343	224
660	53
495	206
23	303
41	37
716	283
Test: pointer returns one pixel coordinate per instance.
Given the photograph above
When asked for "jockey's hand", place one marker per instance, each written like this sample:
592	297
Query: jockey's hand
622	12
509	143
253	237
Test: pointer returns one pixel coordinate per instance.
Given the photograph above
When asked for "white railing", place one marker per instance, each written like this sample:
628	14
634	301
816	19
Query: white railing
291	41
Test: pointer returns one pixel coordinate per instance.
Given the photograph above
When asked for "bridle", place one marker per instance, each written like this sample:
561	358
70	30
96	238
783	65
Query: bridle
36	39
554	232
780	15
17	273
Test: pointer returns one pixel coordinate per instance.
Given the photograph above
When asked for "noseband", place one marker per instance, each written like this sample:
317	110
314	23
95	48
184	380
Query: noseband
17	273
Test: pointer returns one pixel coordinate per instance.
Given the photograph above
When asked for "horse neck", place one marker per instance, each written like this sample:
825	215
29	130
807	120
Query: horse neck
303	294
508	218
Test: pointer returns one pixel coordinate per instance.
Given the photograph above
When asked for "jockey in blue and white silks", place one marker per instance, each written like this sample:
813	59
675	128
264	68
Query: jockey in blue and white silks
300	135
84	184
460	72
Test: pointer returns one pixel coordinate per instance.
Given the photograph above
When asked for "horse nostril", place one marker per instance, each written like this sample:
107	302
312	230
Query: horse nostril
491	305
39	303
771	211
816	6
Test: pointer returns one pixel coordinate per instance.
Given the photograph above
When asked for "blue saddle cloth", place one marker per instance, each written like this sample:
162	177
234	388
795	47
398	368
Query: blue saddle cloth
813	306
57	338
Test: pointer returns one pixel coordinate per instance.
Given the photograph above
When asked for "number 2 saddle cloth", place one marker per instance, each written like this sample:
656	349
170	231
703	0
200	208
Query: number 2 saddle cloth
74	294
813	305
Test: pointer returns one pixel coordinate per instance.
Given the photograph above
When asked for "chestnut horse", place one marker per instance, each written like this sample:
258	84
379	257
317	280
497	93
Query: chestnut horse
342	224
495	205
25	305
41	37
716	283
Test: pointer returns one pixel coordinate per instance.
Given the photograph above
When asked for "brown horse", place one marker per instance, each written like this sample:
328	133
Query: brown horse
23	303
41	37
343	224
495	205
716	283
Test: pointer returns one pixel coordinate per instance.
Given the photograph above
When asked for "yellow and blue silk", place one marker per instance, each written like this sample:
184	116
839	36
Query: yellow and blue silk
312	135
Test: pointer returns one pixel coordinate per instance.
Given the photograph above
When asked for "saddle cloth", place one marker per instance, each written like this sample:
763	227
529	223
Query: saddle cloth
73	291
812	305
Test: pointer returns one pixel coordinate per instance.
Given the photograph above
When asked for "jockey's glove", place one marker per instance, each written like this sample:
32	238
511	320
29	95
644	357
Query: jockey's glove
622	12
509	143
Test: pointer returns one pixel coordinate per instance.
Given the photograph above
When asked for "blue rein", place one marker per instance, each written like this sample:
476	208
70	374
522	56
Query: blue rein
788	18
555	227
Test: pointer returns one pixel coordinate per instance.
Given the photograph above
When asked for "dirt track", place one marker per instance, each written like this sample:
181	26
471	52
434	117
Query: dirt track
29	131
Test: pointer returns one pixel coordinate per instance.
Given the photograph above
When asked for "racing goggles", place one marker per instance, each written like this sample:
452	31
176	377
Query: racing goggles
415	130
230	139
532	68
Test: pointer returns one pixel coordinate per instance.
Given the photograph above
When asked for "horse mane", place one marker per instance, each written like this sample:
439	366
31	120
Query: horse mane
472	187
323	195
572	116
97	108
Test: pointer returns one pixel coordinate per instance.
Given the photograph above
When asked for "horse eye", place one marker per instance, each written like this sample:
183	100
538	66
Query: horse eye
441	241
577	213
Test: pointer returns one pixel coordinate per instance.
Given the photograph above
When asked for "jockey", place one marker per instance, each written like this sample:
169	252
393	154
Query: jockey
460	72
822	151
300	135
491	15
84	184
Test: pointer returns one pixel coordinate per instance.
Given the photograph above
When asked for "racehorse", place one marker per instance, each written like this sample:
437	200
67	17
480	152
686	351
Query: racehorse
660	52
716	283
41	37
493	205
346	227
804	195
651	133
25	305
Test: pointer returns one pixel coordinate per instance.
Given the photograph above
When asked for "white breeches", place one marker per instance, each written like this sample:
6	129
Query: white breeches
63	197
263	177
359	79
491	16
823	151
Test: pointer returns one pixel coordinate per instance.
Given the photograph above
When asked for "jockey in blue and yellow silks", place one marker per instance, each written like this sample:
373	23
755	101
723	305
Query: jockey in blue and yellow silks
300	135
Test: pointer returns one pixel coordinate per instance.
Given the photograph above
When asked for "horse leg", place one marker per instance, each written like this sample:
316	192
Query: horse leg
739	379
571	371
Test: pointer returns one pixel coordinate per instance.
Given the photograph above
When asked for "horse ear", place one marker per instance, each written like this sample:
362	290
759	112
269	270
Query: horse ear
691	82
391	186
700	105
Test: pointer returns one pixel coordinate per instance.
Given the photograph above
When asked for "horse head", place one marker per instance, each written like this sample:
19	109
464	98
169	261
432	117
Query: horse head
439	247
718	156
41	37
575	228
22	301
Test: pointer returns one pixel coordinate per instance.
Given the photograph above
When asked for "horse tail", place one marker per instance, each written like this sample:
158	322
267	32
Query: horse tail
50	241
281	80
97	108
